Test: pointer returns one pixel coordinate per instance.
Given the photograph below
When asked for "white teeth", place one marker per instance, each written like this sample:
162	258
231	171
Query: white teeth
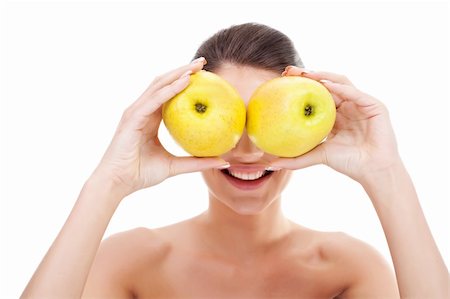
246	176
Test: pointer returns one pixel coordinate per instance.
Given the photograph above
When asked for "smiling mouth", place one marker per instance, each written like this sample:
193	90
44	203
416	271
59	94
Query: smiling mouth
247	176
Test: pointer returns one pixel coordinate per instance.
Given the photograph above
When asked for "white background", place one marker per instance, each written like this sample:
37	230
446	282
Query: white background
70	69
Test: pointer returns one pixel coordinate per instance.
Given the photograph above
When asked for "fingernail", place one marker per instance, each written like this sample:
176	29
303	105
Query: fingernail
200	59
273	168
288	68
325	81
186	74
283	74
224	166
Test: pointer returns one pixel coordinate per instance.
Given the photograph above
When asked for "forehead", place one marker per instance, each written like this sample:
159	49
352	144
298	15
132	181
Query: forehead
244	78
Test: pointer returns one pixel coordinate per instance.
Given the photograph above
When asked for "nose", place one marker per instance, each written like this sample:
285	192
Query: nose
246	151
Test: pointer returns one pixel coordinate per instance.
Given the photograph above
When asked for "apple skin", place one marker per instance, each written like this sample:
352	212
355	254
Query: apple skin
289	116
207	118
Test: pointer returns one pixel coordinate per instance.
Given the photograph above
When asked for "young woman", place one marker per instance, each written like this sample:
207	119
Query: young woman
243	246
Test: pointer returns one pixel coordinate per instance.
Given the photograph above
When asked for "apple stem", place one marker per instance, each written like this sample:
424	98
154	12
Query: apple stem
308	110
200	108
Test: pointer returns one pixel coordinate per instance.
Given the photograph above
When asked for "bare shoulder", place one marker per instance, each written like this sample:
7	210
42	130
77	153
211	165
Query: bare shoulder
121	258
136	245
368	273
339	245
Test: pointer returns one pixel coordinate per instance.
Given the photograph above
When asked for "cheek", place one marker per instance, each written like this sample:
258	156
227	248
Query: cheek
213	180
285	176
280	180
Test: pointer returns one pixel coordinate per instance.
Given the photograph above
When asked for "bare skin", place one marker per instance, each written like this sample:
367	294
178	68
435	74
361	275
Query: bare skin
177	262
243	246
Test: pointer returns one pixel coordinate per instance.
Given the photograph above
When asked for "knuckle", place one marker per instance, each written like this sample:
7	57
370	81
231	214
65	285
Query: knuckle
167	93
324	156
171	168
383	107
157	79
127	114
172	91
344	78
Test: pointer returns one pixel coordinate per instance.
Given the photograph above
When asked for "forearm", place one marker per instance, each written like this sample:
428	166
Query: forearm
64	269
419	267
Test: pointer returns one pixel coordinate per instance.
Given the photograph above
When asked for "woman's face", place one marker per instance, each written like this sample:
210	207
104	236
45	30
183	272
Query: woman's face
246	187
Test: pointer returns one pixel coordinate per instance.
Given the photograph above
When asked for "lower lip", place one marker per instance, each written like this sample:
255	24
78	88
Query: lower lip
246	185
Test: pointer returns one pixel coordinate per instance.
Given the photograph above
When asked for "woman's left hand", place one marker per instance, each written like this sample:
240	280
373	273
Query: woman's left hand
362	141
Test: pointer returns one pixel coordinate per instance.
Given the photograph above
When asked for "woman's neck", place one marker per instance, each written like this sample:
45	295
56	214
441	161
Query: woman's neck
244	235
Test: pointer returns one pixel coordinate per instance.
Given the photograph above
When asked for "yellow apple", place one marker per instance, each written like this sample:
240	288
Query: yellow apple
289	116
207	118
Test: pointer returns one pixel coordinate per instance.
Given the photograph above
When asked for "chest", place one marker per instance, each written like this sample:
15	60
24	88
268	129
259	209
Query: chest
189	275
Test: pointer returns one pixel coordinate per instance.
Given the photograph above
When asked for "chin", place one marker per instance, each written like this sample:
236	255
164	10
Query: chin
246	206
245	198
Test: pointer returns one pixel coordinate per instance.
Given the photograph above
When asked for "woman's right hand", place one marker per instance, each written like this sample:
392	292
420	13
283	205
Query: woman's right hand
135	159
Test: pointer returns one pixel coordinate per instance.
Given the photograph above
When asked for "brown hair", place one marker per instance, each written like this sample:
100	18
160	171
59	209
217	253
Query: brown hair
249	44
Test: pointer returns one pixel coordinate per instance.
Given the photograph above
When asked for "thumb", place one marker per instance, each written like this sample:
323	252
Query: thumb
313	157
193	164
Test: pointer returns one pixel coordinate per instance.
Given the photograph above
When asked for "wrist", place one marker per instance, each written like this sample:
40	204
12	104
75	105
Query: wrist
384	174
105	189
382	184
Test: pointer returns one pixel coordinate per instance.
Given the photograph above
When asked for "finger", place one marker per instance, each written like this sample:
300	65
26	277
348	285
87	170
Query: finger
319	76
166	79
296	71
137	116
292	70
167	92
192	164
313	157
169	77
350	93
337	100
